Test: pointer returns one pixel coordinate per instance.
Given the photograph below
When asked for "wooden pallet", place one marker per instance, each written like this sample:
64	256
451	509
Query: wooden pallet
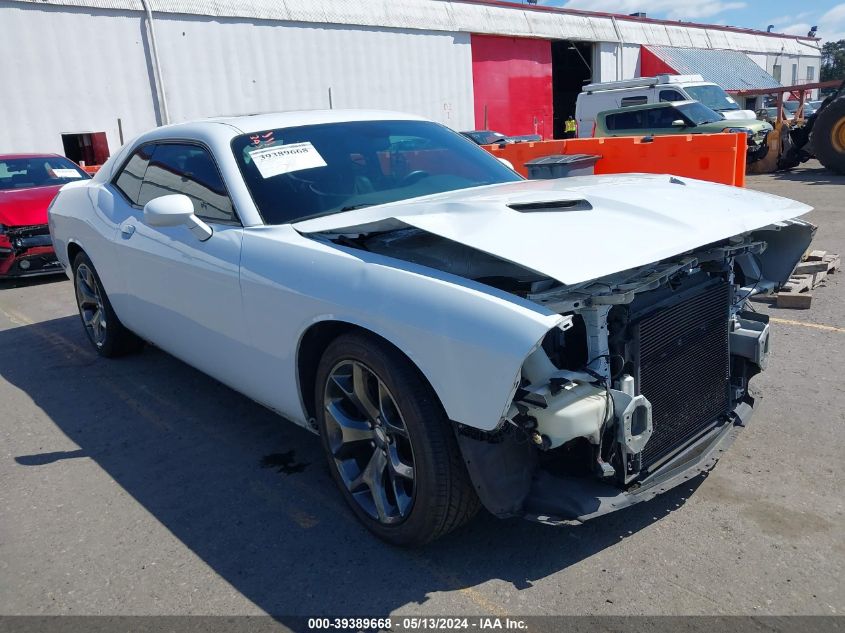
808	274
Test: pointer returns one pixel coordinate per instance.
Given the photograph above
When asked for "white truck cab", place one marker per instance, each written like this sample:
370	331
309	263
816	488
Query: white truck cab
609	95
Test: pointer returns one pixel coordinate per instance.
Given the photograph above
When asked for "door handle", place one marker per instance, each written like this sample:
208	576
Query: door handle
127	230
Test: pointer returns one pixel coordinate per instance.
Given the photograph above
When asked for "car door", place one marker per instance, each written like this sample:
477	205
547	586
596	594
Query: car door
183	294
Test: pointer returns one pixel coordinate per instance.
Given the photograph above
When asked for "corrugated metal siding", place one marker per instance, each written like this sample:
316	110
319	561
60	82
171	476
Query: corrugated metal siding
90	67
83	71
732	70
229	66
456	16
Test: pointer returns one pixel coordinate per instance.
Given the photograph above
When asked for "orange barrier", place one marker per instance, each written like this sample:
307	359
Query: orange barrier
715	157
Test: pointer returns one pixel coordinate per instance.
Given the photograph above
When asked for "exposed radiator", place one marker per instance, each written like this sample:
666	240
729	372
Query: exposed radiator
683	363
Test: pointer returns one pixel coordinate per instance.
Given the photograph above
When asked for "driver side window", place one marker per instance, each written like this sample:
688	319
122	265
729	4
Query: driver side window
189	170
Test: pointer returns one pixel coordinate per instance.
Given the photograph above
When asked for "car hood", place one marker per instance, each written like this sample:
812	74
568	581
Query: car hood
26	207
577	229
755	125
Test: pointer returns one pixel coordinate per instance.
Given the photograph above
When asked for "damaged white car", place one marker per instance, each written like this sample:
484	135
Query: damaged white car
456	335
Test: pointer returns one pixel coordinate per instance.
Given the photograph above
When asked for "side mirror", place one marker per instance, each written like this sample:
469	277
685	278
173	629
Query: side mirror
176	210
679	123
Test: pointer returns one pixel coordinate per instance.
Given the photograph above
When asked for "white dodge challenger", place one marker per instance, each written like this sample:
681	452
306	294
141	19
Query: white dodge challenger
456	335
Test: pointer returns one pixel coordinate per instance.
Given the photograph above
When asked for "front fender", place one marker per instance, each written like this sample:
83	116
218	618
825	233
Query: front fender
468	340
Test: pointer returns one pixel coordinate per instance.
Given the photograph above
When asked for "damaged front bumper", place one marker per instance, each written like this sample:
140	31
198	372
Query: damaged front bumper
520	488
557	500
638	389
27	251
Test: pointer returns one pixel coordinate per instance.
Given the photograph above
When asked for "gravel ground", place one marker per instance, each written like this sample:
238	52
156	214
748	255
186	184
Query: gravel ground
141	486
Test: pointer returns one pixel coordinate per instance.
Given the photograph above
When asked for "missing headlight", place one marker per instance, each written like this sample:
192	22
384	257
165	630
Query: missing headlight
568	349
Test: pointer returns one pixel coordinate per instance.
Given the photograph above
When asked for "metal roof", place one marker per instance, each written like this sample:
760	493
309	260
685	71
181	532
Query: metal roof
471	16
732	70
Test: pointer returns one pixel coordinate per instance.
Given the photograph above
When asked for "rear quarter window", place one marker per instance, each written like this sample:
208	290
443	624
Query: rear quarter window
131	176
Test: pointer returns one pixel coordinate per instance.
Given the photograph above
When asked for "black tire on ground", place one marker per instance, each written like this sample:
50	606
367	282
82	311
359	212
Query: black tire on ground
829	136
110	338
442	497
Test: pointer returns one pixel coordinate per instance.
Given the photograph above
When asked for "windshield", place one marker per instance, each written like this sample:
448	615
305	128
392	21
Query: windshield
713	97
699	114
309	171
37	171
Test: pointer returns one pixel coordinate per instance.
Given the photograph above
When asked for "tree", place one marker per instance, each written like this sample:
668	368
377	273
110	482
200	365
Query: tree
833	61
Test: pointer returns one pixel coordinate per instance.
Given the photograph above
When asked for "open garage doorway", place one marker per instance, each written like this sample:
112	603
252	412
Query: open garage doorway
86	148
572	69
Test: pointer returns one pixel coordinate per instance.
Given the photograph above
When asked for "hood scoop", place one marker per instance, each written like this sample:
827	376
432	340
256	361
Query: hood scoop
551	206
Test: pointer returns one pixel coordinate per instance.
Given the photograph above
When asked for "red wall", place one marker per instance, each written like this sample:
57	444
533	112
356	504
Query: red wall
651	65
513	78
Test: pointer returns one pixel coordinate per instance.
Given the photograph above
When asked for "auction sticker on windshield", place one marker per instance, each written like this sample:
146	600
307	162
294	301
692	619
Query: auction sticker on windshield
66	173
282	159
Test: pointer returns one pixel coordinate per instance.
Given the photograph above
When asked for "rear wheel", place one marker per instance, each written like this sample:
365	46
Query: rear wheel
829	136
390	447
105	331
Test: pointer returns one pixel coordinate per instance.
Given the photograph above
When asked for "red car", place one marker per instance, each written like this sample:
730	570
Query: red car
28	183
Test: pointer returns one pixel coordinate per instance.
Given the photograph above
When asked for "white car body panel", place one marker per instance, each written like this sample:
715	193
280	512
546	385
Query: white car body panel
635	219
469	342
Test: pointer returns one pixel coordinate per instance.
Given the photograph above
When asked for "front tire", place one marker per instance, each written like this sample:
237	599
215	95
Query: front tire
104	330
390	447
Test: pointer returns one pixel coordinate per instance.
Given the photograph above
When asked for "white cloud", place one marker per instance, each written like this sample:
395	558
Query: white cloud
835	15
832	24
672	9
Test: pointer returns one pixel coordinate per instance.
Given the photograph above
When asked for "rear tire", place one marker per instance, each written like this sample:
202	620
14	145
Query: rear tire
104	330
829	136
387	438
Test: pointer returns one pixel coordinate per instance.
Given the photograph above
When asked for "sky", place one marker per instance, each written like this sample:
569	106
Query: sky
788	16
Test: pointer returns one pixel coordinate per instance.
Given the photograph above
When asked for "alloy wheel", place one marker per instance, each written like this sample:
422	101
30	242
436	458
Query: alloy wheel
90	302
369	442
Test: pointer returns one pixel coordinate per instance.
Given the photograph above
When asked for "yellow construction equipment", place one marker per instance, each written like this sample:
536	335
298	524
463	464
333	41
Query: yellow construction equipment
795	140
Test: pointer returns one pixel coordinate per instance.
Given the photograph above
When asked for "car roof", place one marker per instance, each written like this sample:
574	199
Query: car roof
245	124
219	131
647	106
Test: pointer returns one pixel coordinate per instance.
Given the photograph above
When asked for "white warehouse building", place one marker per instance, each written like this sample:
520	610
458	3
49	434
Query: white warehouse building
82	76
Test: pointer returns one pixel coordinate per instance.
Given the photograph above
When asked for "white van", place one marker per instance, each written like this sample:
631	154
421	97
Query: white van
610	95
